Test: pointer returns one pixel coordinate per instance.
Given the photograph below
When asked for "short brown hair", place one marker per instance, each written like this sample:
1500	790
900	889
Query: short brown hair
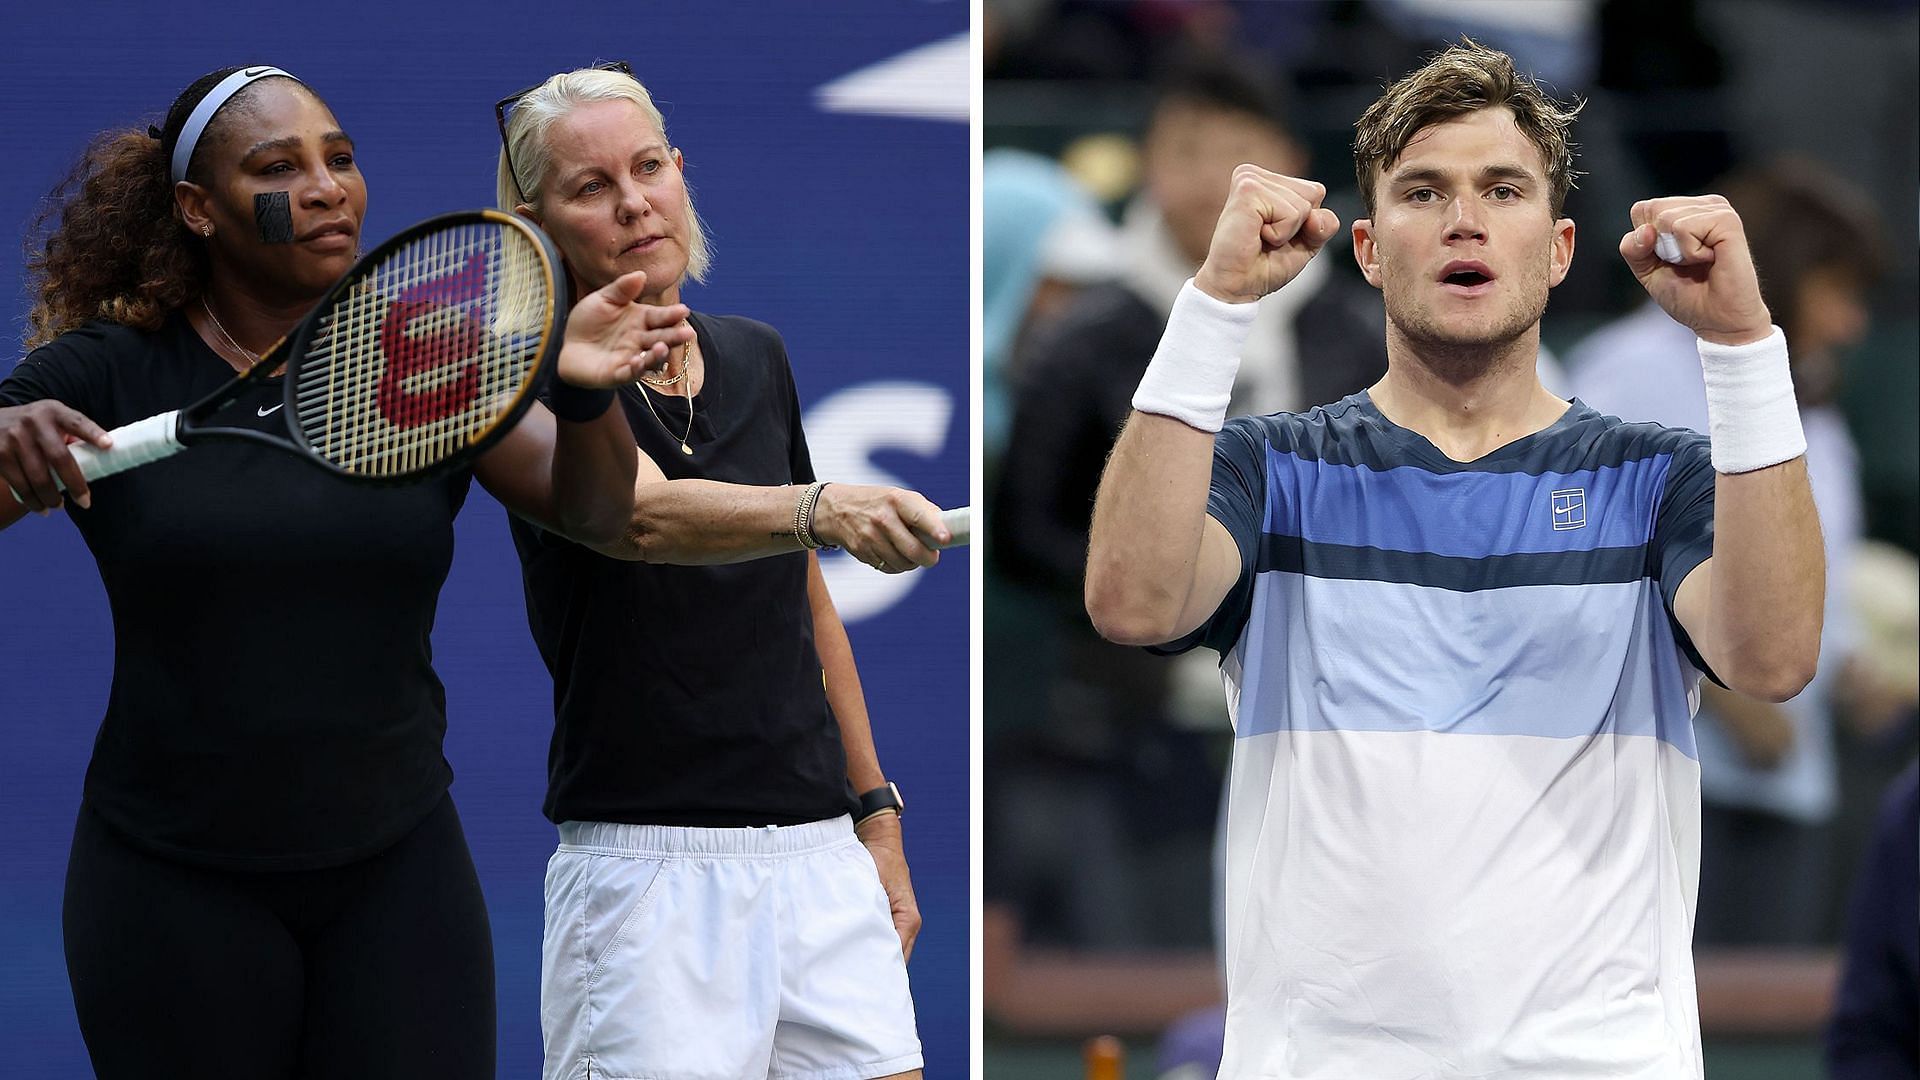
1464	79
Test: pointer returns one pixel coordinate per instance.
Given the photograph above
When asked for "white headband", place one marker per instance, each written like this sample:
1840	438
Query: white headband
203	113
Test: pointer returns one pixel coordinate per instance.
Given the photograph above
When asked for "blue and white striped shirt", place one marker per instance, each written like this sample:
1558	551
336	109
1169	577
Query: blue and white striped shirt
1463	823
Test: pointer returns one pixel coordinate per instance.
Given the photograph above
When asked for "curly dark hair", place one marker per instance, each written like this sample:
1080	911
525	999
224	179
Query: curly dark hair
108	242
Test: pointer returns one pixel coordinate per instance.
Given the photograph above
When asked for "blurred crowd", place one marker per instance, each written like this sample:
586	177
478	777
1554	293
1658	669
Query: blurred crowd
1111	129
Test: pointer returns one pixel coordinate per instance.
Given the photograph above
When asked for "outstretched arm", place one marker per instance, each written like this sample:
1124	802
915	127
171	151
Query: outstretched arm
555	472
701	522
704	522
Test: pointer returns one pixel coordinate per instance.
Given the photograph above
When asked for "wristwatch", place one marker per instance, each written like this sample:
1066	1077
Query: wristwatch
885	797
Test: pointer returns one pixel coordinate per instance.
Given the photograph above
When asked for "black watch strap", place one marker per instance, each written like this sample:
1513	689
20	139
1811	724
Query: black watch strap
884	797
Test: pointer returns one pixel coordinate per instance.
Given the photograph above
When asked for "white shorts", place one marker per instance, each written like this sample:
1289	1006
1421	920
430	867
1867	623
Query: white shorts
687	954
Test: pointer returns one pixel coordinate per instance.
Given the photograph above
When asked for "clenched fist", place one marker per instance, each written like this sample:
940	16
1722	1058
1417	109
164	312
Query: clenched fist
1271	226
1713	290
890	529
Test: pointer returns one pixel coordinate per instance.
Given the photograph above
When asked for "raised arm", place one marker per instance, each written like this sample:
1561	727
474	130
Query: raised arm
571	468
1157	564
1754	608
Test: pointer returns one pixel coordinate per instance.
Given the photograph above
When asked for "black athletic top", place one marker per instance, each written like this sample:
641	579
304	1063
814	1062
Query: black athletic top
691	695
274	705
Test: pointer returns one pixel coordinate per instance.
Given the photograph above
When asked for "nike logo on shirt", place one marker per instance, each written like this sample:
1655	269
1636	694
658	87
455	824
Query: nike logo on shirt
265	411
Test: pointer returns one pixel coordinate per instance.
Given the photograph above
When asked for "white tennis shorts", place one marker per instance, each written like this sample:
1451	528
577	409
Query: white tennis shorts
721	954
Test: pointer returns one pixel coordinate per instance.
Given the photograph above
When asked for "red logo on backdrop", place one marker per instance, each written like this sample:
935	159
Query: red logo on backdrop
448	336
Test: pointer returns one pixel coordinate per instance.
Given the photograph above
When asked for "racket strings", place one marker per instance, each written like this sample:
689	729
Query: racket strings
423	354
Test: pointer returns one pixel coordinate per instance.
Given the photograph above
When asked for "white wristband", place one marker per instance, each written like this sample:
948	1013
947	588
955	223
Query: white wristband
1191	375
1752	418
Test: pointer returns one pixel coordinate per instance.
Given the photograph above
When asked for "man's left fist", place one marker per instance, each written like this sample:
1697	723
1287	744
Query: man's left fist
1713	289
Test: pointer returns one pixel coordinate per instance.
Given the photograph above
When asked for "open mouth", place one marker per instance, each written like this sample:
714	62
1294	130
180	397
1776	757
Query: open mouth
1466	278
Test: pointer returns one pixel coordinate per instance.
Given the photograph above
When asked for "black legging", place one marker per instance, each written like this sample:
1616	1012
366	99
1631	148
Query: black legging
382	968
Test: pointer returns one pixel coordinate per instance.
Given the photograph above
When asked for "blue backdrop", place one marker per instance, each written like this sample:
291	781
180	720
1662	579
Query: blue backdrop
827	148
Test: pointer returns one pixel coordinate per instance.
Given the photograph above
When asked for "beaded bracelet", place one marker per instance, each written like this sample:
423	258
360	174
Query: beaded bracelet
803	517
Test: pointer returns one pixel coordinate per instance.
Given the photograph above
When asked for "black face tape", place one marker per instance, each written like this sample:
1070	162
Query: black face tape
273	216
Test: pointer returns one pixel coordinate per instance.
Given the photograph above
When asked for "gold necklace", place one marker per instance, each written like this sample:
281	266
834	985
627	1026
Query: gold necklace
648	398
685	351
252	357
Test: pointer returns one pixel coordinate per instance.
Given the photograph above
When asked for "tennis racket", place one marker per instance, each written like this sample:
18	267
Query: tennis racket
419	359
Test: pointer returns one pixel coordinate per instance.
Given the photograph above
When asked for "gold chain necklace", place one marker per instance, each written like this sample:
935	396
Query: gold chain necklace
685	351
252	357
685	367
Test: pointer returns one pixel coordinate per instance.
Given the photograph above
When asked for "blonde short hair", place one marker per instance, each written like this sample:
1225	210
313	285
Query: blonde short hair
535	113
1464	79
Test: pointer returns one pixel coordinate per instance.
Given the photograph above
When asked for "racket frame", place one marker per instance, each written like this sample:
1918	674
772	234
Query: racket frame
188	430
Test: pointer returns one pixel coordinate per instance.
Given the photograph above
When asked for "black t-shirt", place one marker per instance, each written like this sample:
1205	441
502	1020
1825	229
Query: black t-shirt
691	695
274	705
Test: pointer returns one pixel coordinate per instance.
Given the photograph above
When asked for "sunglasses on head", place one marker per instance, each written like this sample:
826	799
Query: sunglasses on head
505	105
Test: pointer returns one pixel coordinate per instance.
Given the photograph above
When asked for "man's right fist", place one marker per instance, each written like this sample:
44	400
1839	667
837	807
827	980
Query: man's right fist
1271	226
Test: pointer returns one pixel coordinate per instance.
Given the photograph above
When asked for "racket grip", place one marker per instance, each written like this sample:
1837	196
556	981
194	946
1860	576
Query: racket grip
134	445
959	522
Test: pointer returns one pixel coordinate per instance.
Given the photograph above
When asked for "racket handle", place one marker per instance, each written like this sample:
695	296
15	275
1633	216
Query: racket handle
134	445
959	522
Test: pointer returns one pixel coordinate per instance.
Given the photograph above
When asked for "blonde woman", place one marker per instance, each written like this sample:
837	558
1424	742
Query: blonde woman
729	897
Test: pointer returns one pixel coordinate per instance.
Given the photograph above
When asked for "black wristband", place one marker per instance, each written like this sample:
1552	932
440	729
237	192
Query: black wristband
570	402
879	801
